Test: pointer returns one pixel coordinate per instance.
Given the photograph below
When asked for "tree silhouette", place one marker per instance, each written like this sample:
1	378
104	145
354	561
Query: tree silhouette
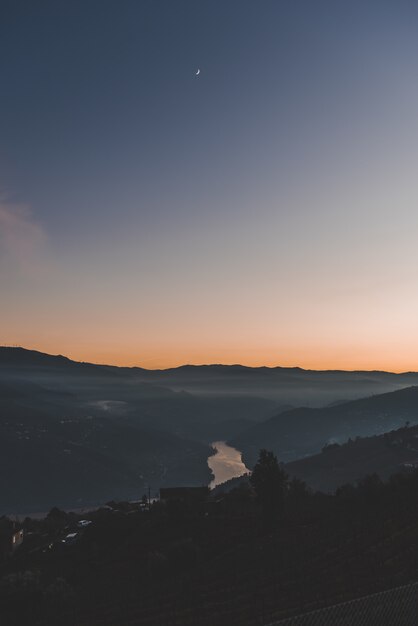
270	483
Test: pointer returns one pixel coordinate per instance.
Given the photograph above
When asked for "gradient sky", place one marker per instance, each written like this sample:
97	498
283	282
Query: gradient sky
265	212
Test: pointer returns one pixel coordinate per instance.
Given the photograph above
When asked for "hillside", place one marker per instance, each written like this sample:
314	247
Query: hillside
125	392
75	434
55	450
304	431
185	564
337	465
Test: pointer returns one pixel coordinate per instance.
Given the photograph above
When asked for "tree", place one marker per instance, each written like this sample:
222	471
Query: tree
298	490
270	483
370	485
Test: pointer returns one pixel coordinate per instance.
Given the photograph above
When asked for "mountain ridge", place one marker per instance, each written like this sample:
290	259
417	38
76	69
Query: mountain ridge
38	355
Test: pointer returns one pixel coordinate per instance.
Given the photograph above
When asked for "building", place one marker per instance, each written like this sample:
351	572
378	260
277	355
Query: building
70	539
17	538
11	537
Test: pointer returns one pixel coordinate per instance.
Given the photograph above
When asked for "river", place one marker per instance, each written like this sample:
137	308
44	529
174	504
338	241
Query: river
225	464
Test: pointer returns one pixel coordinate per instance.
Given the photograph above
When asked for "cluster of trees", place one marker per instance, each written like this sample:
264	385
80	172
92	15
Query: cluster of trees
277	493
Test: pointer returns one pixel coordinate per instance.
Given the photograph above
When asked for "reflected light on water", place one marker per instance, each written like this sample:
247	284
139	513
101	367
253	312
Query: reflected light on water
225	464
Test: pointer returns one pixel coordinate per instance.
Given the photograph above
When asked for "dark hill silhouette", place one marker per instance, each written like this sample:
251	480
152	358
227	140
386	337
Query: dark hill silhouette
218	564
55	449
304	431
336	465
21	358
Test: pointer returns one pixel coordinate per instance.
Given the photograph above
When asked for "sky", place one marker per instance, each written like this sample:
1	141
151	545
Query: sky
264	212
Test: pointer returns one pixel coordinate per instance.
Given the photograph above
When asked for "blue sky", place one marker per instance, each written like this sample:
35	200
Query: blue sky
263	212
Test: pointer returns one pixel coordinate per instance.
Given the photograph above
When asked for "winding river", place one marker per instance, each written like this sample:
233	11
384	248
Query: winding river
225	464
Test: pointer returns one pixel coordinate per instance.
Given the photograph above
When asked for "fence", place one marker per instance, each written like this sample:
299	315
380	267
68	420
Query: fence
395	607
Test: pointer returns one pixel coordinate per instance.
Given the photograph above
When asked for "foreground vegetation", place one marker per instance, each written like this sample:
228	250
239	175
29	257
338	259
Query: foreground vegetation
232	559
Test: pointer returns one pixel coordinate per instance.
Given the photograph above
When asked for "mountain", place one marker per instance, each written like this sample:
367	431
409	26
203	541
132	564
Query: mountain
294	386
337	465
55	450
78	433
132	394
282	385
304	431
73	434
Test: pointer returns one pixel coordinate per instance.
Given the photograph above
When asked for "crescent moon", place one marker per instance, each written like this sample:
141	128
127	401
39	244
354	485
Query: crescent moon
197	73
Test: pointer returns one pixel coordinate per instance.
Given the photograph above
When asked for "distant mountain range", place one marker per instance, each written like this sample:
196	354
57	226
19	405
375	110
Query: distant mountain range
283	385
78	433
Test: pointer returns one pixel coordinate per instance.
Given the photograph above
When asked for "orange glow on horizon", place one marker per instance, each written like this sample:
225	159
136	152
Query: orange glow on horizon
329	360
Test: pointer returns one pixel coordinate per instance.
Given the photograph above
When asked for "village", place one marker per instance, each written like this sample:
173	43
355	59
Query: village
59	530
